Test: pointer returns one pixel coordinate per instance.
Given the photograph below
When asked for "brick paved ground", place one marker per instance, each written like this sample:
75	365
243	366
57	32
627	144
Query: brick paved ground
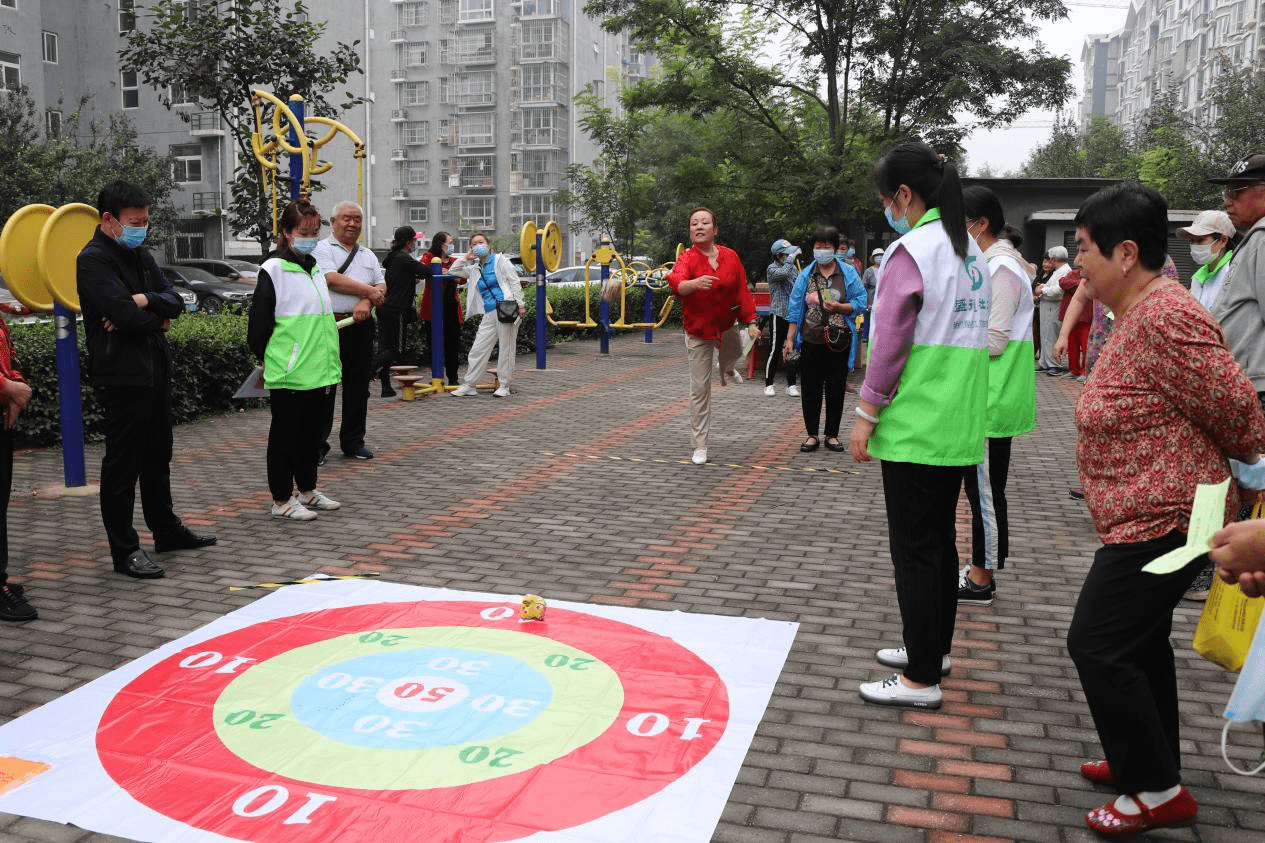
578	487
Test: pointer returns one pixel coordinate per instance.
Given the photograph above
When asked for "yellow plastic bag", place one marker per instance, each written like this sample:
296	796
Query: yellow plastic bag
1227	625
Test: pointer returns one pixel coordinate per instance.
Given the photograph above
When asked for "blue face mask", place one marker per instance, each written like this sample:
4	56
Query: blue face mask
133	235
480	251
823	255
1247	702
900	226
304	245
850	253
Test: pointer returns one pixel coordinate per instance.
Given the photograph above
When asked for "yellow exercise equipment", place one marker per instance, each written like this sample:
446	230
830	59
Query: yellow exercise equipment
19	256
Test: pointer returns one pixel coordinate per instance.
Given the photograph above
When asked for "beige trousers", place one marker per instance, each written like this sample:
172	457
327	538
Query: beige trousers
699	354
492	333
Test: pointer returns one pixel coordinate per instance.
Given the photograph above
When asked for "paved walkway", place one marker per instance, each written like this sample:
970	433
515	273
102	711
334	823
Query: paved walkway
579	488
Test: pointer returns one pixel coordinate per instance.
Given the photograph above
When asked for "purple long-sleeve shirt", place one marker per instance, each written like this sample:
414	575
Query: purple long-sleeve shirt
898	300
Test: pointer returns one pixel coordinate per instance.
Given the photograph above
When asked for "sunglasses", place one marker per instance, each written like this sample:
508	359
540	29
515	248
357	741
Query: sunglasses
1233	192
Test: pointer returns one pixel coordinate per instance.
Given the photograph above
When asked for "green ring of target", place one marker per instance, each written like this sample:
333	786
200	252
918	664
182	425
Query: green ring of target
585	704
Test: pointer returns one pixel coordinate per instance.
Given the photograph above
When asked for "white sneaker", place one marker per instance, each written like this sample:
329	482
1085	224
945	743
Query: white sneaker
317	499
464	390
293	510
735	377
700	456
769	390
891	691
897	657
502	391
792	390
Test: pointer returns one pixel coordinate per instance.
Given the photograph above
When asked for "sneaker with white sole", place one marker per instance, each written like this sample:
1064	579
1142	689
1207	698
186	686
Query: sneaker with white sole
293	510
502	392
317	499
792	390
891	691
464	390
735	376
899	657
769	390
700	456
970	592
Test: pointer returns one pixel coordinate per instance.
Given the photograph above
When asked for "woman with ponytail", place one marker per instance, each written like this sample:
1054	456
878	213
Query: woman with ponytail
921	410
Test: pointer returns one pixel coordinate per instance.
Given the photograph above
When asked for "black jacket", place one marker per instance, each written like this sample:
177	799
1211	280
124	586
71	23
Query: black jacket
136	352
402	274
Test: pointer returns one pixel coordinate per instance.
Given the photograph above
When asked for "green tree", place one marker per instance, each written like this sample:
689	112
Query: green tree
218	51
1168	155
73	166
1239	99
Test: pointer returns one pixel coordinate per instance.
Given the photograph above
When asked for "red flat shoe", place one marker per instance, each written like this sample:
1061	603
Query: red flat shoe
1179	810
1097	772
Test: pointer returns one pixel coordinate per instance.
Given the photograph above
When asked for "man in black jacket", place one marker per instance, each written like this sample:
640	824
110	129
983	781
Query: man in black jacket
127	307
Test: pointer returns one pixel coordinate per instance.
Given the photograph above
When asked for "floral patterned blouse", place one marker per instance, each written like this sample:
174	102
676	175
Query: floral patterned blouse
1162	409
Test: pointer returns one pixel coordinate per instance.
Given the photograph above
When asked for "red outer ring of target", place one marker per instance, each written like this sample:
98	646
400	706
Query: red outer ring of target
156	738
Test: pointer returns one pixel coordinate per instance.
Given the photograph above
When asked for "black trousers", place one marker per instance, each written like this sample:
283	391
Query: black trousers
138	445
922	505
822	370
6	489
294	439
355	350
392	335
990	515
452	339
1118	640
779	327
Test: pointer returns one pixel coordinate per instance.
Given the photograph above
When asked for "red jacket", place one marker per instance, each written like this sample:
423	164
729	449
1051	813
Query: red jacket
1069	283
8	357
450	286
709	313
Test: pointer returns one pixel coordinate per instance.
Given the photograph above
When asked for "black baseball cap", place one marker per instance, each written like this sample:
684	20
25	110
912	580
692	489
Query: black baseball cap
1251	168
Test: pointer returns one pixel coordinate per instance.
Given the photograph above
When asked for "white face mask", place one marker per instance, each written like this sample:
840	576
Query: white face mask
1247	702
1201	253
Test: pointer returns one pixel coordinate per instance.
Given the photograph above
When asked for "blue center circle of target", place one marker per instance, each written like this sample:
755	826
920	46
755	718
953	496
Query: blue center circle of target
420	698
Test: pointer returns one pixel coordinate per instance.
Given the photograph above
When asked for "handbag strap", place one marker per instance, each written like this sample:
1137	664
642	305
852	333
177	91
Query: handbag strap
355	247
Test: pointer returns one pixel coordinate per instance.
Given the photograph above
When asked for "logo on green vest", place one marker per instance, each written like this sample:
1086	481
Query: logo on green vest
977	277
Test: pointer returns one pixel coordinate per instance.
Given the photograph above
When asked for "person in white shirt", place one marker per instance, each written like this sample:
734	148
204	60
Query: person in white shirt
1209	235
1048	296
356	285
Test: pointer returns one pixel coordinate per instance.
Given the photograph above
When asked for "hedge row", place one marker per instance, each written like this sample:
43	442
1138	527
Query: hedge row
212	360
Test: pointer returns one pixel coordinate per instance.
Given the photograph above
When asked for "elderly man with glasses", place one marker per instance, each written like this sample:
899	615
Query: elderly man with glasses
1240	305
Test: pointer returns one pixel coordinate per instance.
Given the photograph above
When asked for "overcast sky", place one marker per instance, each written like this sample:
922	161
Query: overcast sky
1007	149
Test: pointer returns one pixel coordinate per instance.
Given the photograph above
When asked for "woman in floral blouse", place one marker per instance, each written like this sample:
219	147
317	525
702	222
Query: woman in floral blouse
1163	408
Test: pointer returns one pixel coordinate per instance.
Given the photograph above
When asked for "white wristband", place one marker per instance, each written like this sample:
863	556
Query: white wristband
864	415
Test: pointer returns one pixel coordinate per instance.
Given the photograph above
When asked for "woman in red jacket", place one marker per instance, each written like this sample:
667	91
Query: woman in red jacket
712	286
441	247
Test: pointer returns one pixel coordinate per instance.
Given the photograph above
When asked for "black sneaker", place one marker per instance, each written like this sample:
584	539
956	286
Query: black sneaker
977	595
13	606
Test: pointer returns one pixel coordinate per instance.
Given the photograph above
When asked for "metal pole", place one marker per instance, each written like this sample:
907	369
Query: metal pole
649	309
436	320
69	402
541	327
605	310
296	162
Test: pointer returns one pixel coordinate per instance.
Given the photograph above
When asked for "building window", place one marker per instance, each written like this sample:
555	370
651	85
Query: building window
419	212
447	11
477	88
469	11
478	171
538	126
190	240
537	8
186	163
446	131
179	96
11	70
476	212
416	132
414	93
127	16
537	169
536	39
537	207
476	47
417	172
130	88
415	54
478	129
12	4
50	47
52	123
537	83
445	212
447	91
414	14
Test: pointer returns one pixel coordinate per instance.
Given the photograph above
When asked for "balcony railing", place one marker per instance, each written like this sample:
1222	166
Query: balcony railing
207	203
399	154
398	115
398	36
398	74
205	123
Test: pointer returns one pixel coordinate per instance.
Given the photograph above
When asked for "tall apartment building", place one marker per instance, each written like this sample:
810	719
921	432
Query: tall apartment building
468	118
1168	44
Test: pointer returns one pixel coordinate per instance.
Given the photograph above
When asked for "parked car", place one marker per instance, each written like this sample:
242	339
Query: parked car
573	276
213	294
227	269
189	298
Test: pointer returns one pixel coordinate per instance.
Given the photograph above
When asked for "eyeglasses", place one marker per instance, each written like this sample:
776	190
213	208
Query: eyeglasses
1233	192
